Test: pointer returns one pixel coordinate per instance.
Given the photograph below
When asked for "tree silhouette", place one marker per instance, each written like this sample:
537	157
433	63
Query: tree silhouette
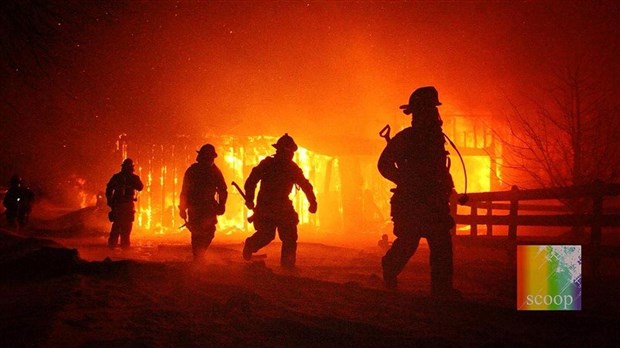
572	138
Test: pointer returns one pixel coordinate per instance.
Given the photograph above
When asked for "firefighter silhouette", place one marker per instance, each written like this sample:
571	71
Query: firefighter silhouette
18	203
120	195
416	161
203	198
274	210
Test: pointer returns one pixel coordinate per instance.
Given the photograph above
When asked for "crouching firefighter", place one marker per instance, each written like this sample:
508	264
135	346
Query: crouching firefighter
416	161
203	198
274	210
120	195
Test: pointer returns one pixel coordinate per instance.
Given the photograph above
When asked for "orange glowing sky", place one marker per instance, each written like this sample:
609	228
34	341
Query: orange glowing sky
322	71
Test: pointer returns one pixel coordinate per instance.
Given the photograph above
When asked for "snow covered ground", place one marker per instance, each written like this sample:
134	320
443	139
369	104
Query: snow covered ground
81	294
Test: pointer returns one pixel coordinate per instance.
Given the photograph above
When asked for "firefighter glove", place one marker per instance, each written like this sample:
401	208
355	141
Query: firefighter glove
313	207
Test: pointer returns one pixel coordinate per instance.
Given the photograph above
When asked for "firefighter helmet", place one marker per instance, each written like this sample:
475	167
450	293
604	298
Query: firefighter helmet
285	142
16	180
207	150
127	163
423	95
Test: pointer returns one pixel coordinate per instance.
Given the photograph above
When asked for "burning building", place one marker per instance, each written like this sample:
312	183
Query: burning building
480	149
161	167
353	197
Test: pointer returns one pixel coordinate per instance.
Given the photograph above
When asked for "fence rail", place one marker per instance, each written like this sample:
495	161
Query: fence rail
595	219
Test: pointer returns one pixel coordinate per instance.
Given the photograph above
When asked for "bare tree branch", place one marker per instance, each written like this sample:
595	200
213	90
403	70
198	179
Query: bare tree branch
572	136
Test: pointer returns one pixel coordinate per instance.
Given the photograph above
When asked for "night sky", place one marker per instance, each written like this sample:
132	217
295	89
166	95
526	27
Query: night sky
77	74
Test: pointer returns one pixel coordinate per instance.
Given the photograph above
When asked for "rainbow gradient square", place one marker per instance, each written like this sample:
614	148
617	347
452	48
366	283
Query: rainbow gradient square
549	277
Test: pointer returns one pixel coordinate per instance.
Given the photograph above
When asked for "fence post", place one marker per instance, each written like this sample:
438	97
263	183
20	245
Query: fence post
514	209
474	216
595	227
597	212
489	215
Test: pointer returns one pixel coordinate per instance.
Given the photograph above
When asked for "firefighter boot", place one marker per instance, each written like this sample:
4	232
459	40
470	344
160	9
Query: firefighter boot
441	288
389	276
247	252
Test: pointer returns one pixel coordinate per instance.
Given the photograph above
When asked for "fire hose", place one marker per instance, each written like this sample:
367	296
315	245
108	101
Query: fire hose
385	134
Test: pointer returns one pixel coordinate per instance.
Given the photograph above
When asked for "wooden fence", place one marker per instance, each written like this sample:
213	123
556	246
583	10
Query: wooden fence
511	201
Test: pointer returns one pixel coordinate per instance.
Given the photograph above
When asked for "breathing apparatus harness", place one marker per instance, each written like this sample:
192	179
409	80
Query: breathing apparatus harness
385	134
